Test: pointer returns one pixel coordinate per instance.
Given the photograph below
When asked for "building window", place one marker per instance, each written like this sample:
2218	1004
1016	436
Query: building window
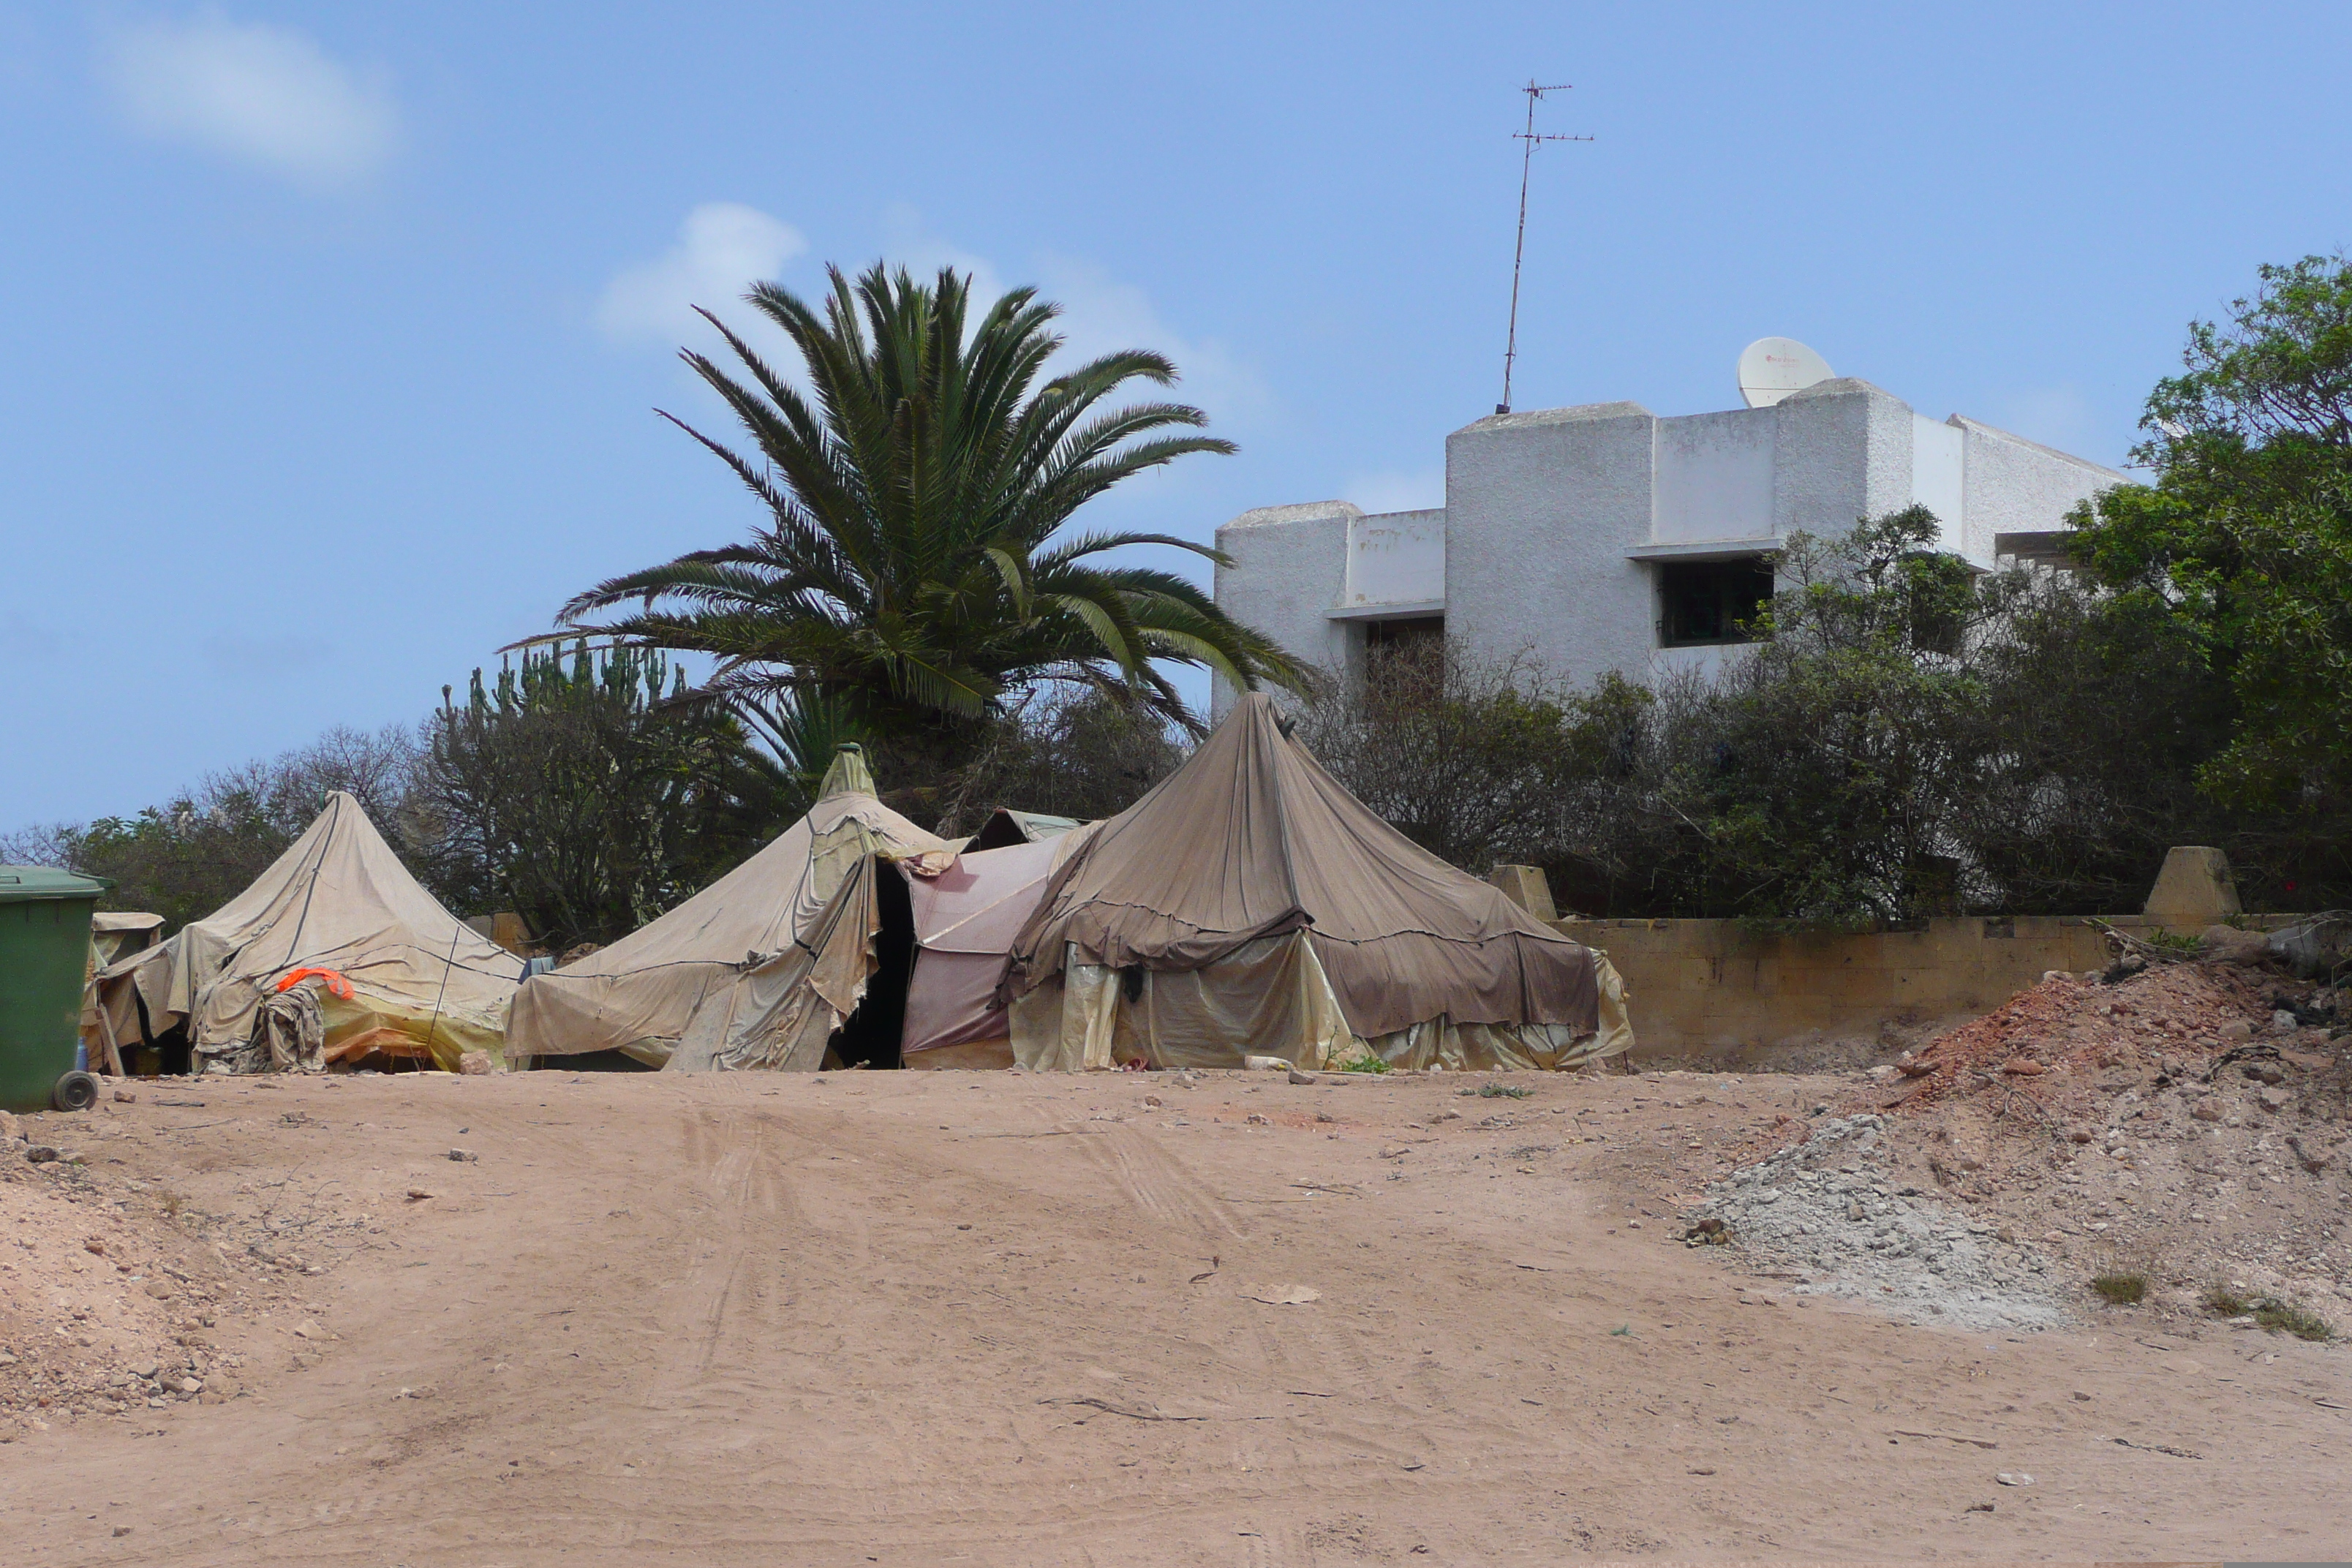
1704	602
1413	631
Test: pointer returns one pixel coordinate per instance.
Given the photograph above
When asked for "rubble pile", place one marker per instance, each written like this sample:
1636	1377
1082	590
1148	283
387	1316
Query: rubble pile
1831	1207
2187	1124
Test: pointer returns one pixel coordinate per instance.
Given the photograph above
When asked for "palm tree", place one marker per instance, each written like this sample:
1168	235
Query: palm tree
912	568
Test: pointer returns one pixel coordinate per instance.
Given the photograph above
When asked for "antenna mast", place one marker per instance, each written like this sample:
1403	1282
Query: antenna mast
1528	142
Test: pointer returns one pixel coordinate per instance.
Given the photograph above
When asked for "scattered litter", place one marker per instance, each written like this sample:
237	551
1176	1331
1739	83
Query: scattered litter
1947	1437
1285	1295
2156	1448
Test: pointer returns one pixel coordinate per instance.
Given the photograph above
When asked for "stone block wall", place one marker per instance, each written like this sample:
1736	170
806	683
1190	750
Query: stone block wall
1715	994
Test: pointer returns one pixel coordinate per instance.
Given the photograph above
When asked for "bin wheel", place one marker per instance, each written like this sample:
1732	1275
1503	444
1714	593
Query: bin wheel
75	1092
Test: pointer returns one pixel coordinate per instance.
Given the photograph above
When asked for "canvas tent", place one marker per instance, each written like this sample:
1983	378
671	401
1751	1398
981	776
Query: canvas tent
420	982
1249	905
965	920
757	969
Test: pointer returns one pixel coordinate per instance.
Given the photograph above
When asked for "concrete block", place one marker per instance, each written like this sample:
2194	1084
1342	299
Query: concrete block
1528	887
2195	889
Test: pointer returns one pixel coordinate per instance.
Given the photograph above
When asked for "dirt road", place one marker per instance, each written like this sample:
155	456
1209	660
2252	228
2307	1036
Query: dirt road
1001	1318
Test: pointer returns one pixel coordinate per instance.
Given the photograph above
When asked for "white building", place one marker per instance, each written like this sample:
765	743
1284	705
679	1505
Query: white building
1604	538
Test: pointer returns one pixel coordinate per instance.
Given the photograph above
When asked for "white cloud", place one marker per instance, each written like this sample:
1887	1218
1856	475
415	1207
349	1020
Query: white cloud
1099	315
722	249
254	92
1397	490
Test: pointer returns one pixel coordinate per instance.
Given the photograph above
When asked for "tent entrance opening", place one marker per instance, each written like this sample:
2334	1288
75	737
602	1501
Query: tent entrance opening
870	1038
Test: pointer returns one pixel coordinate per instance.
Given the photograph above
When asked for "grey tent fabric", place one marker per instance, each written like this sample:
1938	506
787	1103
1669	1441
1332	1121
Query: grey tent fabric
421	983
1250	877
292	1035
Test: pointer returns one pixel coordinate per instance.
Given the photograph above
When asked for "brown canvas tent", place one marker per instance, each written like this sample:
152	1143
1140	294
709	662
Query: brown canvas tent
757	969
422	984
1250	906
965	921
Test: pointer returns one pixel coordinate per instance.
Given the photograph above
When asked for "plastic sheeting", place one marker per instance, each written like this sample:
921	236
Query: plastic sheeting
424	984
1271	998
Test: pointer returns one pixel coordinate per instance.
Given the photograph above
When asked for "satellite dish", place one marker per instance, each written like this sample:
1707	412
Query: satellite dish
1771	368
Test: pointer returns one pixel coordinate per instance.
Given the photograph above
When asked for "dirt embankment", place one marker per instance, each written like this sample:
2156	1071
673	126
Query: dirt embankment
2186	1127
994	1318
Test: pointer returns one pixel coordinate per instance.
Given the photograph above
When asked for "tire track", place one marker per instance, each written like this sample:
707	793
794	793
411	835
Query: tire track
1161	1185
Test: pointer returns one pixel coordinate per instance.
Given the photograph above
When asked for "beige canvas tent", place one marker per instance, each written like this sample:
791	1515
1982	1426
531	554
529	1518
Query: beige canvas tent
1250	906
420	982
758	969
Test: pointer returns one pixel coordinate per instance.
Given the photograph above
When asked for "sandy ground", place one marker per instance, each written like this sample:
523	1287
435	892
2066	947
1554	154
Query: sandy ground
1003	1319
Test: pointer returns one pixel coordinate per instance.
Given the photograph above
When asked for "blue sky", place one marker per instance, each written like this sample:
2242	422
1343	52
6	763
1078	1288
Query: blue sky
332	334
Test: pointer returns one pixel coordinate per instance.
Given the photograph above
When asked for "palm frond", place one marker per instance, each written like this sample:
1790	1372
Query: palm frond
917	474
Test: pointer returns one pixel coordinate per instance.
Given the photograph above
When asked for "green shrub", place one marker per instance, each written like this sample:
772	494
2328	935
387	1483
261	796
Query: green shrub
2268	1313
2120	1289
2285	1317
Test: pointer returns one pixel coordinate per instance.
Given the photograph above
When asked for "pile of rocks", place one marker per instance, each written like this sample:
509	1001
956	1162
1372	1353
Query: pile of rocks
2189	1126
1831	1212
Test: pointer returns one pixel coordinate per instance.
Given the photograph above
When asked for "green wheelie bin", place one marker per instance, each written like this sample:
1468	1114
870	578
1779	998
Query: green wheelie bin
44	949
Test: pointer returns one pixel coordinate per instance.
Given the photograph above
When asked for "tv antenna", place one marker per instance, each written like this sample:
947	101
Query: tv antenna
1528	140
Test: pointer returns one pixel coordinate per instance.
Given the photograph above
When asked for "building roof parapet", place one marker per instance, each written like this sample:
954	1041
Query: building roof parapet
1304	512
1979	427
1841	386
1580	413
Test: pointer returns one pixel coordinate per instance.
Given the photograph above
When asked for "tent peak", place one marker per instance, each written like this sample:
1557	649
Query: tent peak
847	773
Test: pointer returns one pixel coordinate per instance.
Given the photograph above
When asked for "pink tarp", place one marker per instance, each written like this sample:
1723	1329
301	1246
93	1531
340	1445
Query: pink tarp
965	921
